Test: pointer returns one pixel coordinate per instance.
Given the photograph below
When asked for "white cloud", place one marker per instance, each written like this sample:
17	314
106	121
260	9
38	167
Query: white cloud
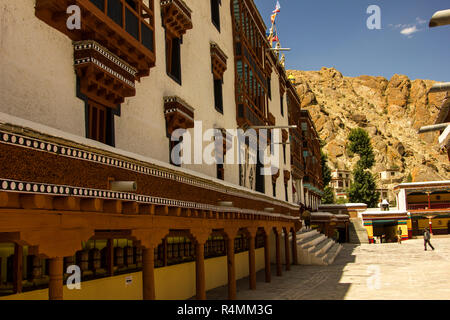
420	21
409	31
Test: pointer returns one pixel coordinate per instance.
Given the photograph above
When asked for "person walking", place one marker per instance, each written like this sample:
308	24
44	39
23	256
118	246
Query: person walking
307	218
399	235
426	238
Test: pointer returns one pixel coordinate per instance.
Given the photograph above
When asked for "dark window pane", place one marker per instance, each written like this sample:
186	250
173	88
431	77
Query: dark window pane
132	24
115	11
218	96
147	36
176	59
99	4
132	4
215	13
93	122
101	126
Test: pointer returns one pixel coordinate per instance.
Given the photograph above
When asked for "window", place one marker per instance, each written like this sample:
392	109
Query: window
220	171
218	96
173	58
281	104
274	188
260	184
100	123
269	88
284	153
286	192
215	13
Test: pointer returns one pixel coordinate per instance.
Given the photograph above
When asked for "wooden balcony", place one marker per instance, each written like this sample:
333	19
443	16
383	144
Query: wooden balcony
126	30
298	170
248	116
218	61
431	206
176	17
104	77
178	114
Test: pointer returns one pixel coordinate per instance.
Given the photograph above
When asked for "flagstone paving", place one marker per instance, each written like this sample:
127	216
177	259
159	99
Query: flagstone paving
368	271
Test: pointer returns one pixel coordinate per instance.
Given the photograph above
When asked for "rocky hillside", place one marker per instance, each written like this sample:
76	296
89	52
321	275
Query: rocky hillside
390	110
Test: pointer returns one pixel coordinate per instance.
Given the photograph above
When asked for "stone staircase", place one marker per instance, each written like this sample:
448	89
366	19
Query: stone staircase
315	248
357	233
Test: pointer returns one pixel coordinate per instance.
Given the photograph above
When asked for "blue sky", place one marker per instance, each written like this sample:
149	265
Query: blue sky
333	33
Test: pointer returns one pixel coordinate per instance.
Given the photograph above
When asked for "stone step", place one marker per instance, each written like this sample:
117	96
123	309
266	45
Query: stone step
357	233
332	253
306	234
311	241
322	247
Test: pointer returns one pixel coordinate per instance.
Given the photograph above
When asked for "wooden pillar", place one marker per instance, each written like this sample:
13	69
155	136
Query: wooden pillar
164	248
287	251
148	273
110	257
55	286
18	268
429	201
278	252
251	262
267	256
200	270
294	248
231	269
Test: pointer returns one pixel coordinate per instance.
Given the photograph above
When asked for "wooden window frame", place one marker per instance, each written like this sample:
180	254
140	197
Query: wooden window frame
218	95
220	171
106	135
215	13
170	59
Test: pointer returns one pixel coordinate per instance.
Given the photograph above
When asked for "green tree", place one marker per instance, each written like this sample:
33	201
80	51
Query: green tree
409	178
328	195
363	189
360	144
326	171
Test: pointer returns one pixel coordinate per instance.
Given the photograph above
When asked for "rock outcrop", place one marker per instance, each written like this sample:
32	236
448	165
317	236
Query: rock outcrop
391	111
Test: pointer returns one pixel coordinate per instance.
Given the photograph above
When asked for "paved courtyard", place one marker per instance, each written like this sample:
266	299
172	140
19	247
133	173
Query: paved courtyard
368	271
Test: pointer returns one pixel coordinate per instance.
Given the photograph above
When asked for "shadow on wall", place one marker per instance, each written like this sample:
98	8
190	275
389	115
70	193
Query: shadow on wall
302	282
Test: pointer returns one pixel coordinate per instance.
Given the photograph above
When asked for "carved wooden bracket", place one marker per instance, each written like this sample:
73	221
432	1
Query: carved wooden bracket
150	237
284	135
218	61
275	176
178	114
287	176
51	243
201	235
176	17
104	77
270	119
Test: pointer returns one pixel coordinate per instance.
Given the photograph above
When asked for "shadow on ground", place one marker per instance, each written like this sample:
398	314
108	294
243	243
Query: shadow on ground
302	282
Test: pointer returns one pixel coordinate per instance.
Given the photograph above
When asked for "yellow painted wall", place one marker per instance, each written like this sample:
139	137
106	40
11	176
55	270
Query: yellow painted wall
369	230
404	228
445	197
436	223
173	282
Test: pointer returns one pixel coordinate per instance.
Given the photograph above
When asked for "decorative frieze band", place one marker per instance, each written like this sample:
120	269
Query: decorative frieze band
77	153
8	185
